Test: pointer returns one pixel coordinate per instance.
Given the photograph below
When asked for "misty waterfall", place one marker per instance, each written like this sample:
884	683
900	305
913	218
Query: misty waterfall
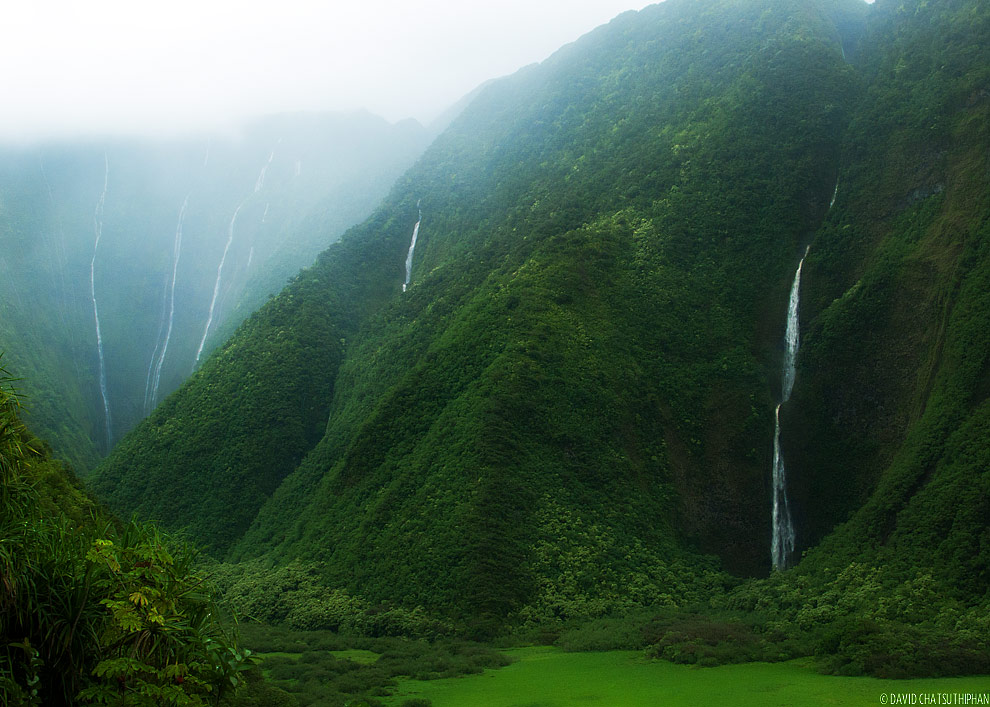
258	184
782	544
412	247
216	285
98	230
154	379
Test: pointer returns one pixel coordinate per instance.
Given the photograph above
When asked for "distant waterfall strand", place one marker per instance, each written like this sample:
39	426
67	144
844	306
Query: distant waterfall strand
782	544
149	379
216	285
176	250
260	182
412	247
98	231
835	193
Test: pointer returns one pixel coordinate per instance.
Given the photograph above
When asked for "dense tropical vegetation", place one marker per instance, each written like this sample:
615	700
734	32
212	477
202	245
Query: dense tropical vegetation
92	610
561	432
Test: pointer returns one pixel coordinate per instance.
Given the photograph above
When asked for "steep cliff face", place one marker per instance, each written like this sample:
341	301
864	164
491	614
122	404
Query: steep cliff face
570	408
888	420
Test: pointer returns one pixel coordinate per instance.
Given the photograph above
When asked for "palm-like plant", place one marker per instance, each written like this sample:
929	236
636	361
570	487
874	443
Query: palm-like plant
98	612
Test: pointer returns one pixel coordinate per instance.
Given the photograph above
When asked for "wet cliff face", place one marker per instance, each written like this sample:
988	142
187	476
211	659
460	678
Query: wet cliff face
883	383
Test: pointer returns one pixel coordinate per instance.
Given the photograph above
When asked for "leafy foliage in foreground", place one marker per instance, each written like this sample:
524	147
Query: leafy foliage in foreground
92	612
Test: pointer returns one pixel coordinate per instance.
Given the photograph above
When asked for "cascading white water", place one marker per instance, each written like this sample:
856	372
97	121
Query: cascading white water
412	247
260	182
216	285
98	230
782	542
149	379
176	250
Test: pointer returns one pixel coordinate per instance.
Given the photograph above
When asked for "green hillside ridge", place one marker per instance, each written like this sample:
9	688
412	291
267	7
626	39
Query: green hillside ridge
93	610
569	414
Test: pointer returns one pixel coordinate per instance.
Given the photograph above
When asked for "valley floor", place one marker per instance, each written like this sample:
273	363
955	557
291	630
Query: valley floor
549	677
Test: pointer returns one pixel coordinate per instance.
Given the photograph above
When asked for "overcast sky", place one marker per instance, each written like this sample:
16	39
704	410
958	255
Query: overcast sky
71	66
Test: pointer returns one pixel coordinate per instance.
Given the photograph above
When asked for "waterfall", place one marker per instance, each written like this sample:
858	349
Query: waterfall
782	543
258	184
835	193
98	230
216	285
176	250
158	346
412	247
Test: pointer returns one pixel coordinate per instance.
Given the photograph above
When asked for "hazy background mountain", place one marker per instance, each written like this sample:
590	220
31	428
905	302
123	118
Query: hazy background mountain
263	202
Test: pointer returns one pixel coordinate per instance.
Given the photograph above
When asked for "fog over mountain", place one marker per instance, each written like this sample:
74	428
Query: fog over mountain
112	66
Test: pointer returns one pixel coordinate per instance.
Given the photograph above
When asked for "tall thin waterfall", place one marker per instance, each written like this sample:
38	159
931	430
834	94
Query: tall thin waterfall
158	347
151	391
259	183
216	285
98	230
412	247
782	543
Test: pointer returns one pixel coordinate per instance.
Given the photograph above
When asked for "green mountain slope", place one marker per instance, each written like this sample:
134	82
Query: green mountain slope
890	413
570	410
91	609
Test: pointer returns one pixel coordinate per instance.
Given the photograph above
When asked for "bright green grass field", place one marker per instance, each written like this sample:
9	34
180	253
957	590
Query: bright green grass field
549	677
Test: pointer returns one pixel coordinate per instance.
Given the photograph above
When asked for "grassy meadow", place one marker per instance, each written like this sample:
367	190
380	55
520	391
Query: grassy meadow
549	677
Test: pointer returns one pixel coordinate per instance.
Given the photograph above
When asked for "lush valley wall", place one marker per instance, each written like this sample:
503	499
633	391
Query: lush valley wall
888	421
570	410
